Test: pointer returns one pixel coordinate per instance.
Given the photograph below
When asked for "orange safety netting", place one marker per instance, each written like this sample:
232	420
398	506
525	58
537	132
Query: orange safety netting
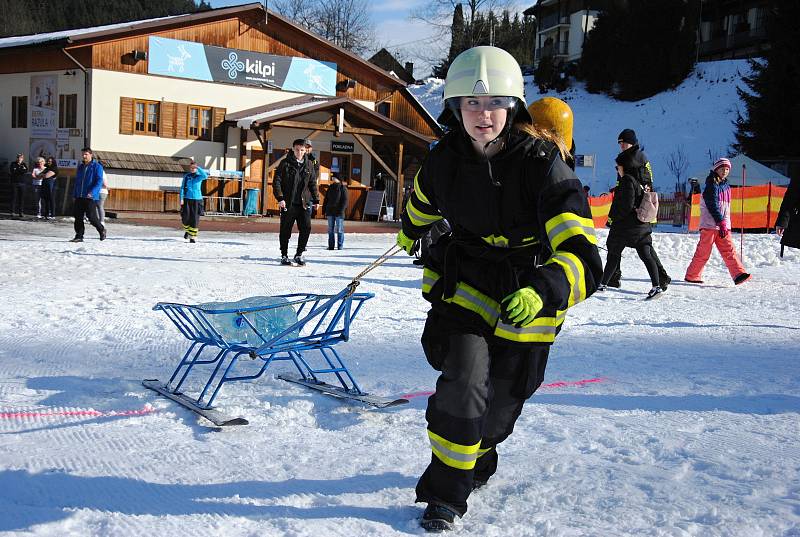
761	206
600	206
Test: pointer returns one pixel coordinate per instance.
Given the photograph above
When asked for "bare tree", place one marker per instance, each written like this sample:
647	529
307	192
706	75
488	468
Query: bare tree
439	14
347	23
678	163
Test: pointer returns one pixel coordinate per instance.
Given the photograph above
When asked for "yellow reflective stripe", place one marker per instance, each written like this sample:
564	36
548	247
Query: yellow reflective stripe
565	225
429	278
418	191
473	300
452	454
496	240
419	218
541	330
573	268
483	451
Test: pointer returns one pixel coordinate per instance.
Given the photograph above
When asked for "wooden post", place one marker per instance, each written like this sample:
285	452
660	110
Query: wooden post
398	201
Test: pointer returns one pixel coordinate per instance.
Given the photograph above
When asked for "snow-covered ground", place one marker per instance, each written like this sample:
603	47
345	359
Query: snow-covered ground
692	428
695	118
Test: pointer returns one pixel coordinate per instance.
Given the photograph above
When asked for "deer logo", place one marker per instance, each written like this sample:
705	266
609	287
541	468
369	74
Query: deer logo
177	62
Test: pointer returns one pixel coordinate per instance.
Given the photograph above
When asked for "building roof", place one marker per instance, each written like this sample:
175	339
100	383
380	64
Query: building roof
292	108
385	60
81	36
136	161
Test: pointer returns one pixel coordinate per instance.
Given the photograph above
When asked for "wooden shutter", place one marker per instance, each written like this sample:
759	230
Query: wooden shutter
125	115
217	125
181	119
166	118
355	164
257	166
325	161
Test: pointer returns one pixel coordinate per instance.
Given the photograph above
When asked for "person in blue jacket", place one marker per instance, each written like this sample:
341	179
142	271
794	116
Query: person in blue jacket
192	200
86	194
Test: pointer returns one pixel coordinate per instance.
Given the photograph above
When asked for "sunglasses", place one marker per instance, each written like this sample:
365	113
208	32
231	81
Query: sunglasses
472	104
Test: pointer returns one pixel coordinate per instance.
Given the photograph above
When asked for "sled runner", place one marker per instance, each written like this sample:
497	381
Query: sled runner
300	328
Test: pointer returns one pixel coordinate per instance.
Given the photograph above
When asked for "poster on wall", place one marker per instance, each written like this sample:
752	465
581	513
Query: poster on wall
195	61
44	115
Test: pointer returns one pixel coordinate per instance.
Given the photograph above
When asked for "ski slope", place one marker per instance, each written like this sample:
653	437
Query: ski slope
696	118
690	430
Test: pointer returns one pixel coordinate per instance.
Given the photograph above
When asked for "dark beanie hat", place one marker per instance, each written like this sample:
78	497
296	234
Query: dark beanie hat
628	136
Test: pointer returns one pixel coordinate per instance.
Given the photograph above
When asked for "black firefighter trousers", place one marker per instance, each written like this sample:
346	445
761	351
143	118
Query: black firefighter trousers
479	396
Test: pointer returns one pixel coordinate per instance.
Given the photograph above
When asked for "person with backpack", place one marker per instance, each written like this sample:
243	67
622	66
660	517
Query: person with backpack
630	225
507	196
715	227
628	141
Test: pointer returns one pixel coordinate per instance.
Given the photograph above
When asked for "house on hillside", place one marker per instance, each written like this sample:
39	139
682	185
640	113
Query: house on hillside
561	28
732	29
229	87
386	61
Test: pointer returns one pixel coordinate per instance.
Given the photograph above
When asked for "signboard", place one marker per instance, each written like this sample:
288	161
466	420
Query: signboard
195	61
375	203
66	163
226	174
584	161
44	116
342	147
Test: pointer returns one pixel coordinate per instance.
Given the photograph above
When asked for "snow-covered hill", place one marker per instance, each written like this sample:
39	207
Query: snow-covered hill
689	428
697	118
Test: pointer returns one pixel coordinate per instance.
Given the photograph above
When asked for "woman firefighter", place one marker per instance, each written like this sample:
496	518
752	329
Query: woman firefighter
508	196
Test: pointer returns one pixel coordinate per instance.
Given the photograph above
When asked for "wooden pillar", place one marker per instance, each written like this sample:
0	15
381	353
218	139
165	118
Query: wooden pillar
398	201
263	134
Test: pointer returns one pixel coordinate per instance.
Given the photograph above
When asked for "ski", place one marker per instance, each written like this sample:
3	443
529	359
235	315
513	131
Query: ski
214	416
336	391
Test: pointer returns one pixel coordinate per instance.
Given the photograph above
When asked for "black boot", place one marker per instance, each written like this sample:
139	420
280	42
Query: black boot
437	518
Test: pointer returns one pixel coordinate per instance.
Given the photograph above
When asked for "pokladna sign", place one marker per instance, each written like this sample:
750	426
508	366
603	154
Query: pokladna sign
195	61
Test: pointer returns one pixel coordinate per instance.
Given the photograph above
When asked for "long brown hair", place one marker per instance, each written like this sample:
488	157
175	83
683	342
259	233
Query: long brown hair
543	134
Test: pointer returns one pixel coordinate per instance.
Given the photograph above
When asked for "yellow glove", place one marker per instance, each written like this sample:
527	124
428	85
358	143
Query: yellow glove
520	307
409	246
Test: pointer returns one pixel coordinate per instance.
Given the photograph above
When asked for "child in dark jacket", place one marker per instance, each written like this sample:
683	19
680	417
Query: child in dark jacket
715	227
627	231
334	208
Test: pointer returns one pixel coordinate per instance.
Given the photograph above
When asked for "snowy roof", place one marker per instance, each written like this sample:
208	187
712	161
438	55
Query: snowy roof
755	174
281	108
33	39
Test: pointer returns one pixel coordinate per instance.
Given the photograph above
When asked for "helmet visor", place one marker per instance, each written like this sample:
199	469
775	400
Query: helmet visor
479	104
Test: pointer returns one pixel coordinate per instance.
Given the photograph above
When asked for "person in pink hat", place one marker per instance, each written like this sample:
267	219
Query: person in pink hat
715	227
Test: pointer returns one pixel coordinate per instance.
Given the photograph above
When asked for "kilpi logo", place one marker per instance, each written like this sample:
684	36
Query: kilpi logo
233	65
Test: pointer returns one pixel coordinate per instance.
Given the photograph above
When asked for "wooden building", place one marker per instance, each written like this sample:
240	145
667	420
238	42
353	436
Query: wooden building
230	88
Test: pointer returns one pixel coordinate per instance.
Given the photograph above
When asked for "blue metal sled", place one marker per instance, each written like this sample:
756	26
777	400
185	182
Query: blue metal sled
212	360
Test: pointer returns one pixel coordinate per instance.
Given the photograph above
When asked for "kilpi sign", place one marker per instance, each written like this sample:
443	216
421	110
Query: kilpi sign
342	147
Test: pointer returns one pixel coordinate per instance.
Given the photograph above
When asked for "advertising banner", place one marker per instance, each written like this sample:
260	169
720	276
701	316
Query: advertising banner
195	61
44	116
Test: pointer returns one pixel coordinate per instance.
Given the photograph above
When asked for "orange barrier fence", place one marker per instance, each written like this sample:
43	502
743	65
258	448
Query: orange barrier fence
761	206
600	206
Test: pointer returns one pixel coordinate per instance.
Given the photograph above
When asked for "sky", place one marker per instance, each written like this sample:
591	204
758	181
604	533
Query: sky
407	39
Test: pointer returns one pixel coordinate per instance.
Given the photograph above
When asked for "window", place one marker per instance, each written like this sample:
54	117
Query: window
384	108
145	117
19	112
199	122
68	111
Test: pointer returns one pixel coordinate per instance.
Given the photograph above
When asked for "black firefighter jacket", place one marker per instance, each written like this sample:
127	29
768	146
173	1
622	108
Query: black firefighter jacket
789	215
503	213
296	182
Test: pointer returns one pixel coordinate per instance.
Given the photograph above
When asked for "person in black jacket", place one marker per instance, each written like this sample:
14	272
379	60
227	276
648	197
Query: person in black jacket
334	208
629	143
626	228
787	226
295	188
19	174
494	313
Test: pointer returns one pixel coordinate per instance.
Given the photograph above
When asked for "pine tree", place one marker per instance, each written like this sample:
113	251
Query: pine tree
638	49
772	123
